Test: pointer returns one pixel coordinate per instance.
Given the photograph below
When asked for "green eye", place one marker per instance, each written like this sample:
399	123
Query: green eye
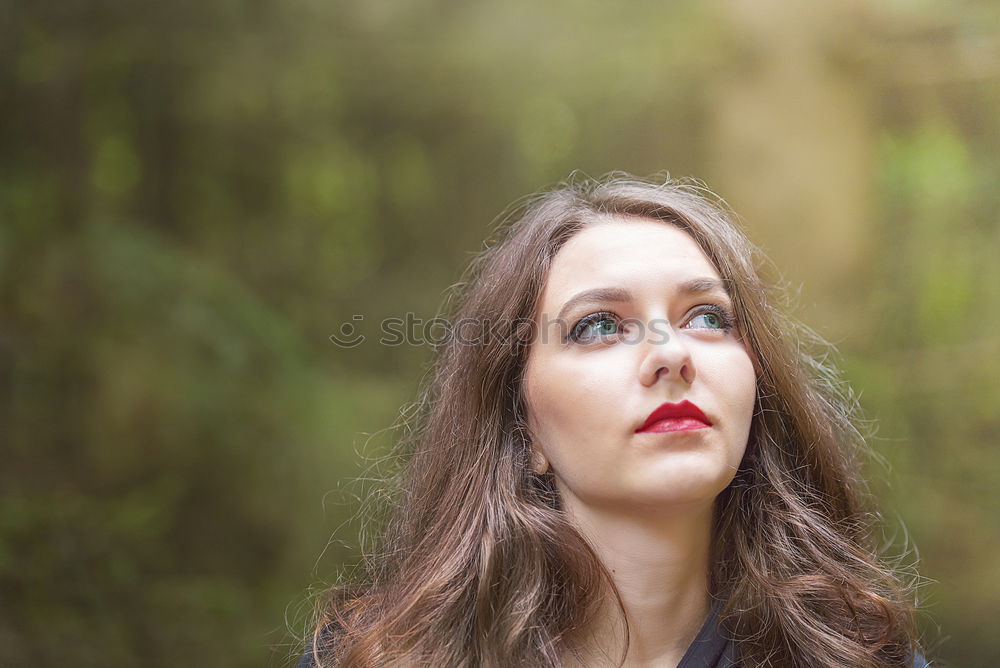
710	320
594	326
607	326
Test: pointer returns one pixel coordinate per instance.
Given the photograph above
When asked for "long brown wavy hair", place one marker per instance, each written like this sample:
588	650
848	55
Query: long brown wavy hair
478	565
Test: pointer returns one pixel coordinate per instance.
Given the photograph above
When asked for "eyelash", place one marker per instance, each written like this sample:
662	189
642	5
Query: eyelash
728	321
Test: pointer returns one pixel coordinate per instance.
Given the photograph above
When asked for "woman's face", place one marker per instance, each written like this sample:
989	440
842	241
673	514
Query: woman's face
656	328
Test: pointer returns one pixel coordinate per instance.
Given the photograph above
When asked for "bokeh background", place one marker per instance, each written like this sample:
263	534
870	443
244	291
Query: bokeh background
195	194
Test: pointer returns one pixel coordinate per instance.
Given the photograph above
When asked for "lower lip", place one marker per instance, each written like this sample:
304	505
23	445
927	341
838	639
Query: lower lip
674	424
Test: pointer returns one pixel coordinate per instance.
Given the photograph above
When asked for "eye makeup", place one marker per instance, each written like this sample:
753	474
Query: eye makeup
719	319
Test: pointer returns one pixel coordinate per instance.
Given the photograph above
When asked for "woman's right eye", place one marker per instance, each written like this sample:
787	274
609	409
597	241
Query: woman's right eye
594	326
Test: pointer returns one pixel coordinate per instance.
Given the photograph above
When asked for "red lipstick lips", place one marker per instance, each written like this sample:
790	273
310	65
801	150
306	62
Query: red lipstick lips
674	417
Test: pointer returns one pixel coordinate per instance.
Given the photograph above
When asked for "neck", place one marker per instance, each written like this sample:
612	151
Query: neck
659	562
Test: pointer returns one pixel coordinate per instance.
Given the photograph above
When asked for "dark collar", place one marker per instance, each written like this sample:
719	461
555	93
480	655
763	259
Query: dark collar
710	648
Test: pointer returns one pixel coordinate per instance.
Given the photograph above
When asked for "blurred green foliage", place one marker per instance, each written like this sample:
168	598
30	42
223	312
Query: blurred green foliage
195	195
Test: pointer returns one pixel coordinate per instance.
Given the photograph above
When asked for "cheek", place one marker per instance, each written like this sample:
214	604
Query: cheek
547	401
733	380
567	403
537	403
737	372
745	383
741	395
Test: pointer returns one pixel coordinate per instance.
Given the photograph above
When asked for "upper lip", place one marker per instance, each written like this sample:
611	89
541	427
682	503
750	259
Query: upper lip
669	410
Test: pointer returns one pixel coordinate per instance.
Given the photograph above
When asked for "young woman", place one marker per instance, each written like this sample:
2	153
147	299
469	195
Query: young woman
625	456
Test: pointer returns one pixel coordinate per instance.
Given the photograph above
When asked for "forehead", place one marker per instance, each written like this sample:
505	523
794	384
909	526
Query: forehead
628	252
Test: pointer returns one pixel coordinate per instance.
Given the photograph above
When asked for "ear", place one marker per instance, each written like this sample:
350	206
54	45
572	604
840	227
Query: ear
539	462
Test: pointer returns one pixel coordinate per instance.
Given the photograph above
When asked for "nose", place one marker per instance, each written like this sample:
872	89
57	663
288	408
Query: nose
666	356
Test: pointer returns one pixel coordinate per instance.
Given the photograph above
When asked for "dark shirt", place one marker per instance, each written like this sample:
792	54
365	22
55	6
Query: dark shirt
709	649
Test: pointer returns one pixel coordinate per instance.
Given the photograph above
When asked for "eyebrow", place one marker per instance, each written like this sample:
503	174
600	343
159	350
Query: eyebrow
694	286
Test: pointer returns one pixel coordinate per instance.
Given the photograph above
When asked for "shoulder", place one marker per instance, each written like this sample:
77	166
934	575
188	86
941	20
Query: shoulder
920	662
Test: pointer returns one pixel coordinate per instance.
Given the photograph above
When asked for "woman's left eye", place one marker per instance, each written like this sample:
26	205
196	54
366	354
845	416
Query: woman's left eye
713	317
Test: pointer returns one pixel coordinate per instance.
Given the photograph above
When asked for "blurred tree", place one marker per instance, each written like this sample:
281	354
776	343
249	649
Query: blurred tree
791	137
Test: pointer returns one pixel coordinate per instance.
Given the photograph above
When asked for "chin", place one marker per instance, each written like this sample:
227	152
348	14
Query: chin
691	488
